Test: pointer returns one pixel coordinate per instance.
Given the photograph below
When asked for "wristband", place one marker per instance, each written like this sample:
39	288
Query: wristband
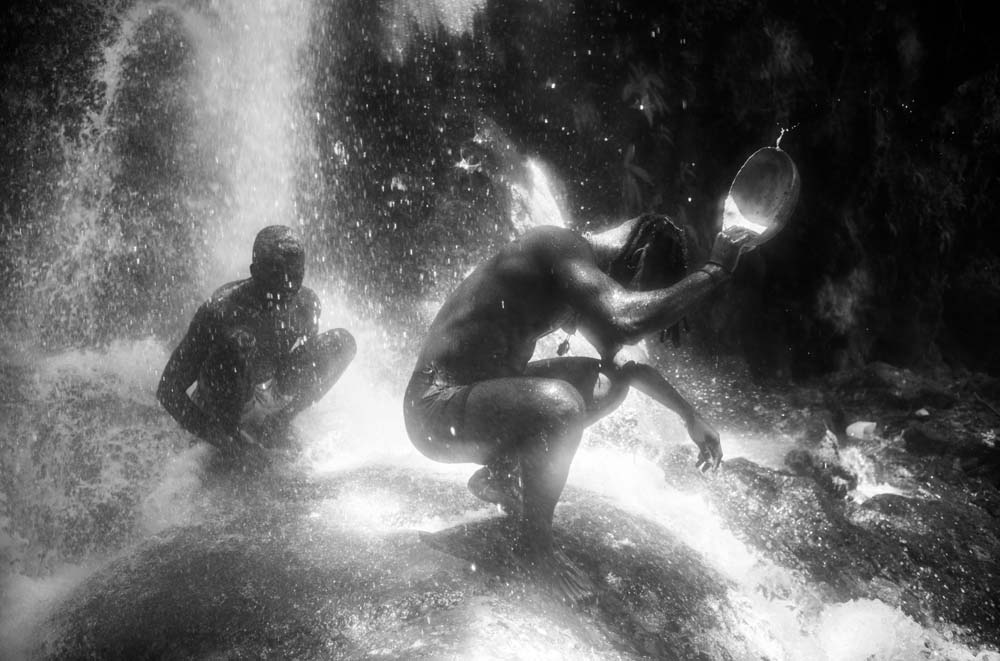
716	273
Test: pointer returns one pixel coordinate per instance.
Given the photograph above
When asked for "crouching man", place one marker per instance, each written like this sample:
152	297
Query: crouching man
254	353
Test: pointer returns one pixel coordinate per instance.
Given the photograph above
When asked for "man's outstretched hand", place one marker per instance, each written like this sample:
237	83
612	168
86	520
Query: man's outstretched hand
707	440
729	245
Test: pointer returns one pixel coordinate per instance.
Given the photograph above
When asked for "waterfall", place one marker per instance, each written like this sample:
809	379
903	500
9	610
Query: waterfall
249	77
205	129
197	140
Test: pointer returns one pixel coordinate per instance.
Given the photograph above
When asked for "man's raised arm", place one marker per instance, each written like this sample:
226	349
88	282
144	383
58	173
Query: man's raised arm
623	316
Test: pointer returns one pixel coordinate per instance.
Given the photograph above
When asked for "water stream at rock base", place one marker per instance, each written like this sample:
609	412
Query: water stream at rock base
107	509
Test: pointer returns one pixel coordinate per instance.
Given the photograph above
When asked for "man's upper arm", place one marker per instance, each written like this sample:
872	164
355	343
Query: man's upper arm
594	295
618	315
186	360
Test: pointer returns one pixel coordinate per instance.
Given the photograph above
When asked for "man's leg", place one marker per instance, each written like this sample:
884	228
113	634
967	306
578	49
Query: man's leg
602	390
313	368
308	374
602	387
540	421
536	420
224	384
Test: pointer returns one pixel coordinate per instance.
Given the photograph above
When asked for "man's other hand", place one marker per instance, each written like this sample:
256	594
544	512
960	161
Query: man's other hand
707	440
231	442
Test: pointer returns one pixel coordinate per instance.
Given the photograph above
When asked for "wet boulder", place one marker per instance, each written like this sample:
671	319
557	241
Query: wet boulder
924	439
883	384
943	553
932	557
973	454
822	462
336	568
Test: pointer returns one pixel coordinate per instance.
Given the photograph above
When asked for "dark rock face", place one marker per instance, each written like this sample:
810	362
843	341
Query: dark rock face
936	440
822	462
942	552
881	383
931	557
922	439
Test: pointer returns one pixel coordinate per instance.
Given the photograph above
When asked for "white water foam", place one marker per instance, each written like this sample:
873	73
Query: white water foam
868	483
25	601
780	613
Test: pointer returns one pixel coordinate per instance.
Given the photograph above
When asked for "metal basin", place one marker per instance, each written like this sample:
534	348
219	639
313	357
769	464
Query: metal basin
763	194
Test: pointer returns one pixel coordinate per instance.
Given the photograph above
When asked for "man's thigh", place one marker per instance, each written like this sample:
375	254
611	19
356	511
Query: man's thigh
312	368
492	417
601	387
224	380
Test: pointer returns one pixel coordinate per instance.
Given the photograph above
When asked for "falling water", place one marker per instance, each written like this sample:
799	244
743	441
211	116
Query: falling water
249	75
539	198
195	142
97	469
80	482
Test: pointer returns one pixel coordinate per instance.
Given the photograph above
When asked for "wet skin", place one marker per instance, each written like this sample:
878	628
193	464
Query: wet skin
251	332
485	334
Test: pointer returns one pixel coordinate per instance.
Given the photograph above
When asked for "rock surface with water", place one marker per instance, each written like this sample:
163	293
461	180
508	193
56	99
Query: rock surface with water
180	555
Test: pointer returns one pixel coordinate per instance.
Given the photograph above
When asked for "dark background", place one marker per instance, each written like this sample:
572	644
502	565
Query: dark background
891	112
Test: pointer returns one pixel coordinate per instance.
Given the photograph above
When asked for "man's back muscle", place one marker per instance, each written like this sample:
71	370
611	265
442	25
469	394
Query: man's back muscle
489	325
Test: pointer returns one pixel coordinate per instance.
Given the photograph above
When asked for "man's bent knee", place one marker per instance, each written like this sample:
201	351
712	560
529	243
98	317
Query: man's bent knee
559	402
337	342
330	352
316	365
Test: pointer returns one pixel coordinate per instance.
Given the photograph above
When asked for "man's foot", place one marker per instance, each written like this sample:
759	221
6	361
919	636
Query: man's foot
570	583
498	485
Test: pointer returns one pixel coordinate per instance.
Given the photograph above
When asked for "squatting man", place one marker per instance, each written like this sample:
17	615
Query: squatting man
254	353
475	397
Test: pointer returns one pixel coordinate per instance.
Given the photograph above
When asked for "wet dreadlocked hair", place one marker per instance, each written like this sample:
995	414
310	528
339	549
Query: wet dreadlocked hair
654	257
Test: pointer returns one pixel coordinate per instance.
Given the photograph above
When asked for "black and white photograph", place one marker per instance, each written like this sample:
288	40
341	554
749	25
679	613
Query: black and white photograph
499	330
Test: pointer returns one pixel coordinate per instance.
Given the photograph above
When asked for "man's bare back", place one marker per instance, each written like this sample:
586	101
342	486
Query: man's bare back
488	327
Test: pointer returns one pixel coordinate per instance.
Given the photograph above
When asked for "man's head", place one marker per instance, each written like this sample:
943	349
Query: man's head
653	255
279	262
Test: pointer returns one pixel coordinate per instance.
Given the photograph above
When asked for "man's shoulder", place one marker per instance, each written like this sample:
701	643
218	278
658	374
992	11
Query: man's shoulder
538	254
549	244
223	300
550	233
307	298
227	292
307	294
546	238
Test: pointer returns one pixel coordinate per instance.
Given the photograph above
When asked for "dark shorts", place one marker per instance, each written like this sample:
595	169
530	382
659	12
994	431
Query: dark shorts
434	412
